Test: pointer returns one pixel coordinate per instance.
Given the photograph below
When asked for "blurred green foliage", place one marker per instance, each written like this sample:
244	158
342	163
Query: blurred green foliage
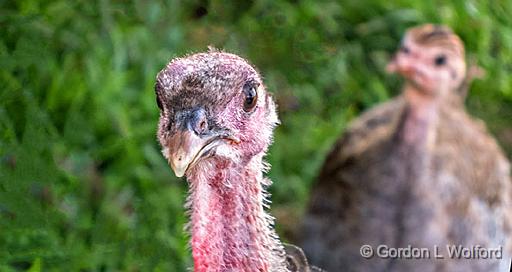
83	186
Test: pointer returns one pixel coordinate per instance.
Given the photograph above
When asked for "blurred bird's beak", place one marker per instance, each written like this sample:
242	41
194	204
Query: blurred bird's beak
391	67
404	68
407	71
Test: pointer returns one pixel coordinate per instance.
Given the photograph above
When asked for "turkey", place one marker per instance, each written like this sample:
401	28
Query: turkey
216	124
416	171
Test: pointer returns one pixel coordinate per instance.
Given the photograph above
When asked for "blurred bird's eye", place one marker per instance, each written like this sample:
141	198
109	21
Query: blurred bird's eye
250	96
404	49
440	60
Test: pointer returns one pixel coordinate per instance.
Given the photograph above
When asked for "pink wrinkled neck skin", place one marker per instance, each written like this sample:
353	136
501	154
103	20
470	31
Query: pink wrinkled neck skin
230	229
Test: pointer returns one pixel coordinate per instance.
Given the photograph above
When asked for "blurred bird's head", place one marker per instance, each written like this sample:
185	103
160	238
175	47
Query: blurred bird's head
212	105
431	58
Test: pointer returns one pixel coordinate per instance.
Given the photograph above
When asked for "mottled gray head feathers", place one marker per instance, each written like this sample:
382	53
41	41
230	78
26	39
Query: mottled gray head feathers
430	35
210	79
212	102
431	58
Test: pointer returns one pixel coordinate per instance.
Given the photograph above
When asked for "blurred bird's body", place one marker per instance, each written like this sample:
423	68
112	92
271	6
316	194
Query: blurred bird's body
416	172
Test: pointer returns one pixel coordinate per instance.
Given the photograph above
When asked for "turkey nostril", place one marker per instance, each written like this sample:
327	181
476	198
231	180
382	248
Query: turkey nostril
196	121
202	126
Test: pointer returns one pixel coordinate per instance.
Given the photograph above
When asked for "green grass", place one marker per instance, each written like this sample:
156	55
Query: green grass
83	186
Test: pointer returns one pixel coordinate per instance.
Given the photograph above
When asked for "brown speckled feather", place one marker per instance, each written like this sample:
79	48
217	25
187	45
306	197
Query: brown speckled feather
370	129
355	199
340	201
415	171
475	176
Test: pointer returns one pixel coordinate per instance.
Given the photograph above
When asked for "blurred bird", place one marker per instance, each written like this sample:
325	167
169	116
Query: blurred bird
216	123
416	171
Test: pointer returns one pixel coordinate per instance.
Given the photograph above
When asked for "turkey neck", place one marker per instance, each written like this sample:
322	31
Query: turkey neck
230	229
415	137
419	120
414	140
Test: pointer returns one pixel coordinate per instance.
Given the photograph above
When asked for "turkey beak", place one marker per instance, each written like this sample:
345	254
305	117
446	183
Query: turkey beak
184	149
404	68
402	65
191	140
391	68
407	71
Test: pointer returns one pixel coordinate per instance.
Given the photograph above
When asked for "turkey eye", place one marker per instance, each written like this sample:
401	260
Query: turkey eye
404	49
251	96
440	60
158	91
159	103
